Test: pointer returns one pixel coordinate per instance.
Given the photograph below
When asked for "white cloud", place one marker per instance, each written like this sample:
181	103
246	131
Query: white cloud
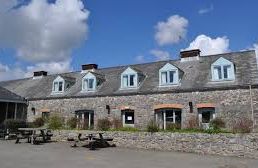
206	10
42	31
209	46
8	73
171	31
51	67
160	55
139	58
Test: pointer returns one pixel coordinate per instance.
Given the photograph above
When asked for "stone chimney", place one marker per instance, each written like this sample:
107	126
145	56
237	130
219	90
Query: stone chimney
89	67
190	55
39	74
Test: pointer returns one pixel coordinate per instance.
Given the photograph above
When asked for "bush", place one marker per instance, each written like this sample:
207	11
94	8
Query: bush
152	126
242	125
38	122
14	124
72	122
192	123
103	124
217	124
117	123
173	126
55	122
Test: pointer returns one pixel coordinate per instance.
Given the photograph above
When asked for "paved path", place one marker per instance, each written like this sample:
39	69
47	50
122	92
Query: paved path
60	155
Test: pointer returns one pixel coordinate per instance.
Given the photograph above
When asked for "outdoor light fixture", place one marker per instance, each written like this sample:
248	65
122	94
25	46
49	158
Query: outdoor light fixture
33	110
108	109
191	106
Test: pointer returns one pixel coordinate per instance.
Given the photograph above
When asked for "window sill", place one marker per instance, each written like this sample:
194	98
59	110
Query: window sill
56	93
169	85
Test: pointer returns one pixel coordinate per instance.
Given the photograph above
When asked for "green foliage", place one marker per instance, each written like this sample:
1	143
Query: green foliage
72	122
55	122
128	129
14	124
152	127
104	124
242	125
173	127
38	122
217	124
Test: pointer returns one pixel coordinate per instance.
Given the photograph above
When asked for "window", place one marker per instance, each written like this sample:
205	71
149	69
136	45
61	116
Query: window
168	75
58	85
223	69
129	79
128	117
89	82
166	118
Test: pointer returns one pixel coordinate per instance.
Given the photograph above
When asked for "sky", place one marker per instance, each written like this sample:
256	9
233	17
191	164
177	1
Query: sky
60	35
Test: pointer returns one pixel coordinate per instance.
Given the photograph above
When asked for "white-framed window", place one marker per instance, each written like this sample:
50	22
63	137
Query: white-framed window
168	75
58	85
89	82
128	118
222	70
129	79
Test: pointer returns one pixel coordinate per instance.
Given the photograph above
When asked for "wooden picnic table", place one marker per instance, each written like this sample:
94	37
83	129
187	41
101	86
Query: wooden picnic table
31	134
93	141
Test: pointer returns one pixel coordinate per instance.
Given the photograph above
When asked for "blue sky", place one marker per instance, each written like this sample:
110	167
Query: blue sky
120	32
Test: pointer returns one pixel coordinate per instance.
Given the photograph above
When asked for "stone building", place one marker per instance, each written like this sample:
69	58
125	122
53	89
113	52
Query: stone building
203	87
12	106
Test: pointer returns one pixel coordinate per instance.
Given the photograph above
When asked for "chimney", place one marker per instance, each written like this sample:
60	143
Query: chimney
89	67
190	55
39	74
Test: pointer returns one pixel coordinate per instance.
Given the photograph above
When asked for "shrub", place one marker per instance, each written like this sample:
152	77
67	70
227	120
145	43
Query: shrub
72	122
242	125
152	126
38	122
14	124
173	126
217	124
55	122
117	123
104	124
192	123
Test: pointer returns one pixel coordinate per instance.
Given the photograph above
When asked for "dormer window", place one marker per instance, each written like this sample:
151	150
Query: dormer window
61	84
168	75
58	85
129	79
222	70
91	81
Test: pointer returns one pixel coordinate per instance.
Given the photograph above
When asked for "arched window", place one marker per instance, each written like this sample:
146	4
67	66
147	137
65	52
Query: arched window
89	82
58	85
222	70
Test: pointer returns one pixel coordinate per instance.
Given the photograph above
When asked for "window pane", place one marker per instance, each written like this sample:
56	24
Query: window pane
60	87
171	76
91	81
132	80
226	71
164	77
125	81
56	86
217	72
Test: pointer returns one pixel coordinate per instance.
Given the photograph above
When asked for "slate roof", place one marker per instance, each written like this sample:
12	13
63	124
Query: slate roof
196	77
8	96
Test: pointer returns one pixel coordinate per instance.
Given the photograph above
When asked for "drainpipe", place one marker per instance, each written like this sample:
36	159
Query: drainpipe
252	107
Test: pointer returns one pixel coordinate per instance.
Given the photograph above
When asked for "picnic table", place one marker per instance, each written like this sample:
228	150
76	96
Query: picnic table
32	134
93	141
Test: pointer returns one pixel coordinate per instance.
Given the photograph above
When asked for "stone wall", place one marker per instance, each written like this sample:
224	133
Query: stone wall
241	145
229	104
